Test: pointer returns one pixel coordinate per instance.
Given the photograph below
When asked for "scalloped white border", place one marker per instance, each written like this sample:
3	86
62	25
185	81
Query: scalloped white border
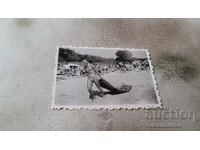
107	107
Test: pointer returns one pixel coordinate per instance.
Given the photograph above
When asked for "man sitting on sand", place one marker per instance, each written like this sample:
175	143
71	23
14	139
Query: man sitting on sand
93	77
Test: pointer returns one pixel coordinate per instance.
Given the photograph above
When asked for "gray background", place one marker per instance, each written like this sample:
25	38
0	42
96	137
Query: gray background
27	60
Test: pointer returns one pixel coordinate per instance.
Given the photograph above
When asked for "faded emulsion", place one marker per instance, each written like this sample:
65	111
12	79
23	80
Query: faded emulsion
178	66
23	22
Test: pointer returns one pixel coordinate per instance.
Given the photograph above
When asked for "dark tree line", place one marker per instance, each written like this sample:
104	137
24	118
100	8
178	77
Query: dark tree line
69	55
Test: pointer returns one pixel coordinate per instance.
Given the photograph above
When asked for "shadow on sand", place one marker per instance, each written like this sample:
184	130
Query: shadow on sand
97	93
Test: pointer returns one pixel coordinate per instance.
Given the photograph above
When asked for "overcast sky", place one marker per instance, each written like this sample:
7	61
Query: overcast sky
109	53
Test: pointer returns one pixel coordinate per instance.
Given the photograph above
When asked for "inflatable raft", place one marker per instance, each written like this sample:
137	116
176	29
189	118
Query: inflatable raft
116	90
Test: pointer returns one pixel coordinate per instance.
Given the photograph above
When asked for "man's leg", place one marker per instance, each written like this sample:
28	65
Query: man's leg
89	86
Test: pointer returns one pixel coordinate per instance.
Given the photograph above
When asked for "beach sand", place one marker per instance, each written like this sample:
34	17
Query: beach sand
73	91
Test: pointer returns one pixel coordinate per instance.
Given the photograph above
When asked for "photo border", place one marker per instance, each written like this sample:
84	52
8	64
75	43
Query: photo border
107	107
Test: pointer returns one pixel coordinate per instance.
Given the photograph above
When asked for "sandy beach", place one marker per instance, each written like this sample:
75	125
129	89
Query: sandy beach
73	91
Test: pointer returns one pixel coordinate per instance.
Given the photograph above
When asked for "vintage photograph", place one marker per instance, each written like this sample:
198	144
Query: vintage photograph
109	78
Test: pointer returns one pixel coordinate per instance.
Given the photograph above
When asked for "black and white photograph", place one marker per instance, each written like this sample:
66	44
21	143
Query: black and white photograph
109	78
120	74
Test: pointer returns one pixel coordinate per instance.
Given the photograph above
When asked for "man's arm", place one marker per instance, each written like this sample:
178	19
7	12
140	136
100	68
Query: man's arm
94	68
